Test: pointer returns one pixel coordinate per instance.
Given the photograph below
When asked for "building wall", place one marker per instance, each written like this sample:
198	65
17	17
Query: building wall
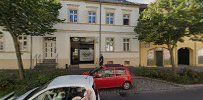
82	28
193	46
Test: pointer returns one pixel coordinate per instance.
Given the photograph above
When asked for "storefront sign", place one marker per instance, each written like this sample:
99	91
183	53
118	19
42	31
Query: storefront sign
86	55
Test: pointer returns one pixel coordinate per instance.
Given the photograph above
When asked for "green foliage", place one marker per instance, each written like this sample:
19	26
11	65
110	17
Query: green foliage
9	82
167	21
186	77
29	17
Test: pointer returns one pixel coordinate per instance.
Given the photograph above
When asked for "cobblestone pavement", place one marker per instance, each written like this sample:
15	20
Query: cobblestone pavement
145	85
185	94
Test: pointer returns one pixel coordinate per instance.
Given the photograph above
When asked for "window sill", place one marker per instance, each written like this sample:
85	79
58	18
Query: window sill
126	25
13	52
120	51
2	51
109	51
99	24
127	51
93	23
109	24
73	22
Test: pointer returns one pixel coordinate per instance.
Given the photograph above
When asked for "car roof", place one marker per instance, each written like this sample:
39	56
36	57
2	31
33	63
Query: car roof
113	65
72	81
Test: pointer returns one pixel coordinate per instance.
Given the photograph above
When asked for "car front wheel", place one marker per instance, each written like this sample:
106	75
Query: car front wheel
126	85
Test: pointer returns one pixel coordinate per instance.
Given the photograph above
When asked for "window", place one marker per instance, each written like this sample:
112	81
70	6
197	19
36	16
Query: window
126	44
109	44
109	62
200	56
126	19
127	63
23	42
110	18
73	15
92	17
1	42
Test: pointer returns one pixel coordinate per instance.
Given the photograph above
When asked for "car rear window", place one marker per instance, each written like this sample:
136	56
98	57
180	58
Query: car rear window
120	72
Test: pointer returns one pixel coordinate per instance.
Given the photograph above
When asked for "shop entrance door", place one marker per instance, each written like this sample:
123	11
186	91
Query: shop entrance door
82	50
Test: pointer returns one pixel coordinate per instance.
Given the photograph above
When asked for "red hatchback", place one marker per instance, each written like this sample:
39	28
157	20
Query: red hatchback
112	76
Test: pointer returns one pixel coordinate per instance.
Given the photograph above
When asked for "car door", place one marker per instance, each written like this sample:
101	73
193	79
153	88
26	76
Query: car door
120	77
105	79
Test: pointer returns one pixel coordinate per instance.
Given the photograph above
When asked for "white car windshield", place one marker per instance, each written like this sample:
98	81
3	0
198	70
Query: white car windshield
36	91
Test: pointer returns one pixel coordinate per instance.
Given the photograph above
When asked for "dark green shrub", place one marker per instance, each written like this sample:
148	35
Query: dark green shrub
186	77
9	81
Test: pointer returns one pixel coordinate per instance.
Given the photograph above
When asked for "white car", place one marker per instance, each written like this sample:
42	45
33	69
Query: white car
70	87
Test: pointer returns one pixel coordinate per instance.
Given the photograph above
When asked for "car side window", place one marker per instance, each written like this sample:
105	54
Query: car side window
120	72
106	73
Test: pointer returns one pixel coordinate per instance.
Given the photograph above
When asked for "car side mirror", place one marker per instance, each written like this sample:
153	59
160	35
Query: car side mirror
97	76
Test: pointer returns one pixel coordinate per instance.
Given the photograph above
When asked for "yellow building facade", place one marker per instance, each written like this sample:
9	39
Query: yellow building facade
185	53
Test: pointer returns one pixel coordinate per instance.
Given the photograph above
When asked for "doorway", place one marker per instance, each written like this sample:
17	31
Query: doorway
159	58
82	50
184	56
49	47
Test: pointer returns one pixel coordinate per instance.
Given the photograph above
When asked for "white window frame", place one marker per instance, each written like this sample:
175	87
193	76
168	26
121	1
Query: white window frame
126	44
91	16
109	17
23	42
1	42
109	45
75	13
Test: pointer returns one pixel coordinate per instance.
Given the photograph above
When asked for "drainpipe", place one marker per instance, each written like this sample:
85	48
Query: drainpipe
31	52
100	13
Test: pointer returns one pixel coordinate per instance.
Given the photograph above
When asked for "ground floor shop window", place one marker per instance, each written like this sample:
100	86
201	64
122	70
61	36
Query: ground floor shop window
82	50
1	42
200	56
158	57
109	44
127	63
109	62
126	44
23	42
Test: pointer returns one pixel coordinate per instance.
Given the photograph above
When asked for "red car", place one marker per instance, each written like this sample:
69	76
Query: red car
112	76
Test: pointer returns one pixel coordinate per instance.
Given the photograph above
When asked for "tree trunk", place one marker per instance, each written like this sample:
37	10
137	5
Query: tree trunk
19	58
172	58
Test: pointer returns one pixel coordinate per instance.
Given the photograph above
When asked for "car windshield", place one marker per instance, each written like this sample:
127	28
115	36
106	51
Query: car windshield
38	89
91	72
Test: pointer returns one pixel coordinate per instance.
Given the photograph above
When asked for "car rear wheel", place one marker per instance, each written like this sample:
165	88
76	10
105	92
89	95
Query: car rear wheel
126	85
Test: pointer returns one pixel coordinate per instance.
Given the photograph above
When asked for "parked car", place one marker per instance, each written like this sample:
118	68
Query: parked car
111	76
70	87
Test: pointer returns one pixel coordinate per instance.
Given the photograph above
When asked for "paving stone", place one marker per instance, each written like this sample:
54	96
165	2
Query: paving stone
144	85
